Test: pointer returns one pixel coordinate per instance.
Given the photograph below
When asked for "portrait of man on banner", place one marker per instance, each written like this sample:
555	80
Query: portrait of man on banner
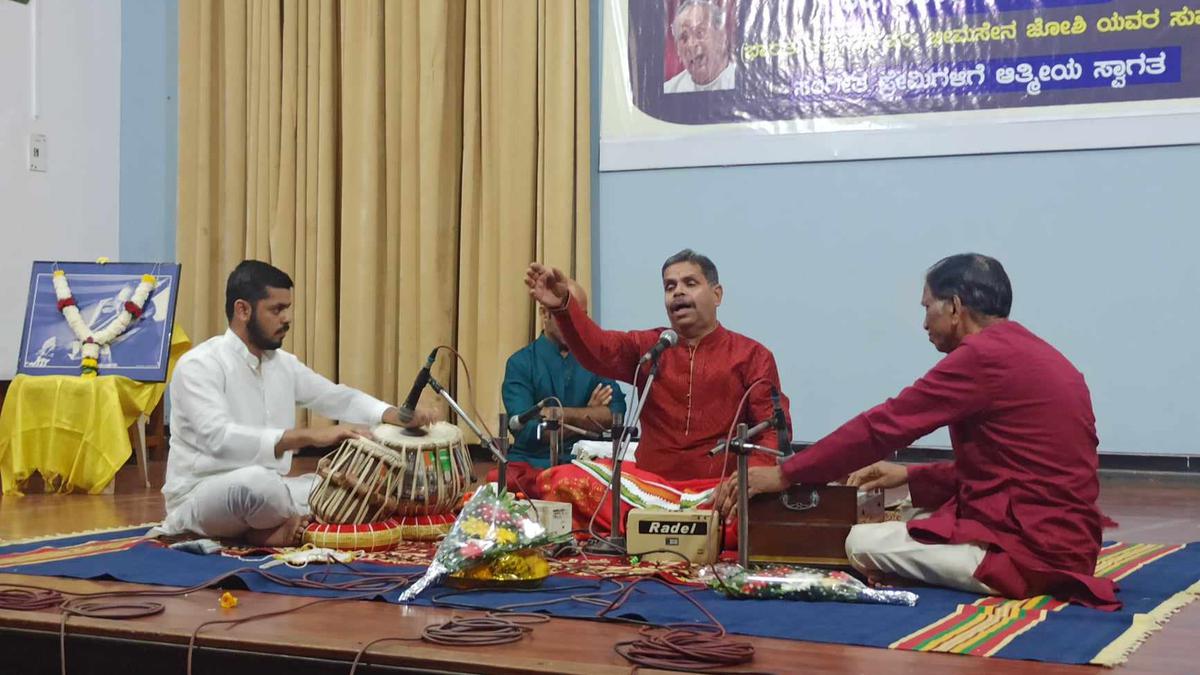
699	46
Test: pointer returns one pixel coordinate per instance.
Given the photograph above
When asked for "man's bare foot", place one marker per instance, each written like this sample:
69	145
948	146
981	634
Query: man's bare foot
290	533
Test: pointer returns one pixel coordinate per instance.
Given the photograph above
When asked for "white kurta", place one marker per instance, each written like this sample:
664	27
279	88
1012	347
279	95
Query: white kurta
228	411
683	82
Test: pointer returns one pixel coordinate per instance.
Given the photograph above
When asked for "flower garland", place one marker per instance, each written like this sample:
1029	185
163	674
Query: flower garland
92	342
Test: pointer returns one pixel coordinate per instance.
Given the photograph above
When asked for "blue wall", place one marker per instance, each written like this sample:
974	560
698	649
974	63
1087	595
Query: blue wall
149	134
823	263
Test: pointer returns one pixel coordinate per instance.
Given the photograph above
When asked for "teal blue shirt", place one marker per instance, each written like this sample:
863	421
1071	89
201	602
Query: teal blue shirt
540	370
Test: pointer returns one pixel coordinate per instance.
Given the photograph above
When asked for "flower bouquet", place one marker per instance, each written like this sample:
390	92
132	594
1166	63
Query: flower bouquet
798	583
490	540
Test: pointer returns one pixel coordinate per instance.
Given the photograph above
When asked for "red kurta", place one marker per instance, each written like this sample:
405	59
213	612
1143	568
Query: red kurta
694	396
1024	477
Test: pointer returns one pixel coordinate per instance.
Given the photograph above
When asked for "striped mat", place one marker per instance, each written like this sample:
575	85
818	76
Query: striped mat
988	625
54	548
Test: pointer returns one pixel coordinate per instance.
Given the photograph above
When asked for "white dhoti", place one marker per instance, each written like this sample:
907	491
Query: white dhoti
233	503
886	548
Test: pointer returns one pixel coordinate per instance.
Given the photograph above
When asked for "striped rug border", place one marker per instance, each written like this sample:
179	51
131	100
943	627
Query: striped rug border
72	535
973	629
47	554
989	624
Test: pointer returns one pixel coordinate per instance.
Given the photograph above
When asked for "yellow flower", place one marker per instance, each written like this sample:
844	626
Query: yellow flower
538	567
228	600
148	278
506	536
475	527
59	273
102	260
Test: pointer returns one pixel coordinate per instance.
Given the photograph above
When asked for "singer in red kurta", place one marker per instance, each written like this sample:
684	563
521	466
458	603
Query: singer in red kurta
694	399
694	395
1024	481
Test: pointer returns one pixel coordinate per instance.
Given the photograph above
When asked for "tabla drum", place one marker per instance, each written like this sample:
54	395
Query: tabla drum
437	467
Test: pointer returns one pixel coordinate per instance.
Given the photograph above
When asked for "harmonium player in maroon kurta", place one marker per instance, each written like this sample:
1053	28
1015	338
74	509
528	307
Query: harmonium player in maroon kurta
1015	513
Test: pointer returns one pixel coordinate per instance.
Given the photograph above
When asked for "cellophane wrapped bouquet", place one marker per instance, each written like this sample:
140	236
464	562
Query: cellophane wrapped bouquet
492	525
798	583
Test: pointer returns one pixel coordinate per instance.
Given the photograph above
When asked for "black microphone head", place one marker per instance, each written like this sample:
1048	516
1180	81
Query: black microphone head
405	414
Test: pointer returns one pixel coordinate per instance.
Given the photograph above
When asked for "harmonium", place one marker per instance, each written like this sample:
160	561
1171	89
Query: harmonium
808	524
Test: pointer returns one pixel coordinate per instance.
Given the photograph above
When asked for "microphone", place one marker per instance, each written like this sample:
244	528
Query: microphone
409	407
753	431
581	432
668	338
517	422
779	421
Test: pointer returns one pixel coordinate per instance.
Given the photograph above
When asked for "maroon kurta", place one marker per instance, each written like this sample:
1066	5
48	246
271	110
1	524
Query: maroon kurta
694	396
1024	476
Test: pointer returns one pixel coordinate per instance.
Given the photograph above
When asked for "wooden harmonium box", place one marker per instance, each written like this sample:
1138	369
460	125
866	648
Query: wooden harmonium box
809	524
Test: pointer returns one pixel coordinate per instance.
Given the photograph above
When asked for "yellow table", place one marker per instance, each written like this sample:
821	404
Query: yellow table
74	431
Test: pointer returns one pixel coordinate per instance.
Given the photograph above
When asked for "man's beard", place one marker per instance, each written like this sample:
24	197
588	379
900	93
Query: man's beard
257	336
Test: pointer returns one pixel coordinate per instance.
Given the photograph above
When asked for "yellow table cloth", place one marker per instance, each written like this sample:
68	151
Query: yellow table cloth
74	431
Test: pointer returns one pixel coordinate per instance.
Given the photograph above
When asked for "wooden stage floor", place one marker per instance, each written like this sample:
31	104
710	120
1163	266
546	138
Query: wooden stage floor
1152	508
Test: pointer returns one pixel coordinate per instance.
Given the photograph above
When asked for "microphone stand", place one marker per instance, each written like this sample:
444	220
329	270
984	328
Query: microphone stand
742	449
622	435
552	425
497	446
619	458
500	452
615	544
738	446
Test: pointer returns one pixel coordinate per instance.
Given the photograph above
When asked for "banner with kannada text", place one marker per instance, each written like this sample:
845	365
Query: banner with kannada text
695	82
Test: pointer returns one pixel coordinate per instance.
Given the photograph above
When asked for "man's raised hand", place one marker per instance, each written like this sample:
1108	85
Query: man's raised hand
547	285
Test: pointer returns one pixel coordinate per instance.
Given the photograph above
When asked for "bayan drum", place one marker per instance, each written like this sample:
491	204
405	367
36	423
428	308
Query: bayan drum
357	483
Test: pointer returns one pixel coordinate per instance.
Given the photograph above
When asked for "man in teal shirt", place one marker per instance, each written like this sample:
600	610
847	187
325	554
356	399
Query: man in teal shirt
546	368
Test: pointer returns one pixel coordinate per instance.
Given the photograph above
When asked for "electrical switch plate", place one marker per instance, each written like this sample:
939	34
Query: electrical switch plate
39	157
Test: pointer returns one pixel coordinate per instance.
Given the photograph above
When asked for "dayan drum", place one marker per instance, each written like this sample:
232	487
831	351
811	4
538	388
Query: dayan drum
438	467
400	473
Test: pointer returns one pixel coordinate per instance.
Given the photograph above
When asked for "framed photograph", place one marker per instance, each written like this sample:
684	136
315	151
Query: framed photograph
101	291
